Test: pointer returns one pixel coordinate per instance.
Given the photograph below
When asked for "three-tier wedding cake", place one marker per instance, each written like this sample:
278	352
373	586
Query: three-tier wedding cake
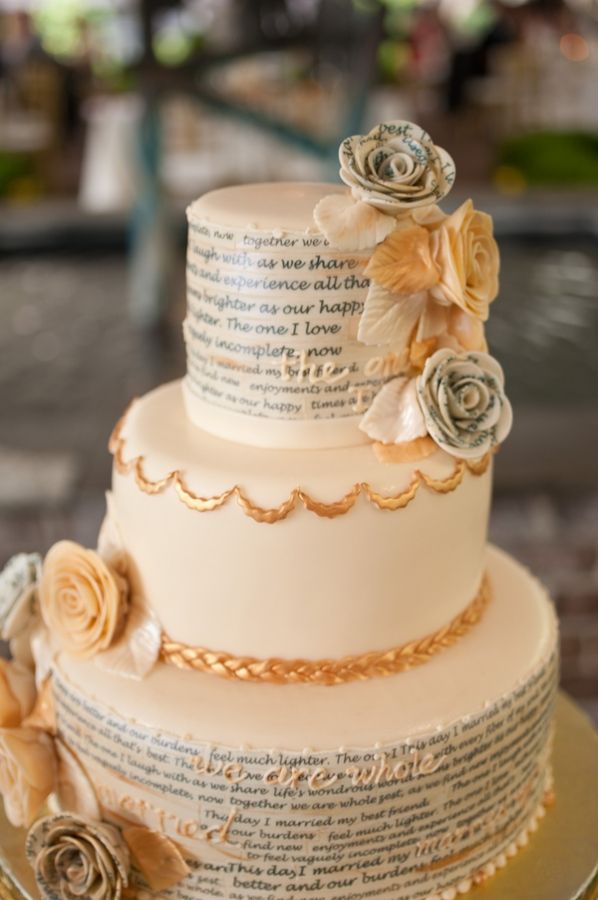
293	667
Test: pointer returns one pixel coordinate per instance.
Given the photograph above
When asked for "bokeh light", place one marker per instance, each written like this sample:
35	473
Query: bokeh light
574	47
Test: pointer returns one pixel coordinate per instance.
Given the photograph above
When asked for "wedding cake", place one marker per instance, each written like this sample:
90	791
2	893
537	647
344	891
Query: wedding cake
293	667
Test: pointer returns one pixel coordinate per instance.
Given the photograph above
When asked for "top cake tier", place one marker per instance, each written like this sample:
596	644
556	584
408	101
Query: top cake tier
323	316
271	329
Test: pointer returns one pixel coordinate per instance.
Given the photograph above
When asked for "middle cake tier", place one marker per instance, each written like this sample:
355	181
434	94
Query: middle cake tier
309	554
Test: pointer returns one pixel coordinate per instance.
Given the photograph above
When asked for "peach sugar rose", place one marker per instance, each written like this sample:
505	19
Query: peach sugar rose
466	257
27	772
83	600
17	693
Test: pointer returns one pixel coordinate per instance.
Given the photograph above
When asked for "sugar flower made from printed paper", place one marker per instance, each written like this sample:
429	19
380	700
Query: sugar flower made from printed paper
73	857
458	401
18	581
463	402
19	614
396	167
432	279
391	171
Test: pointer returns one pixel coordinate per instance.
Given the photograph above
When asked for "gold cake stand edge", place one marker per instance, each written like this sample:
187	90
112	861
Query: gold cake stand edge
560	863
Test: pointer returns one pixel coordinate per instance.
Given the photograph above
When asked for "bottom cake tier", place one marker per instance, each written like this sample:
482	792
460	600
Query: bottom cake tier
418	785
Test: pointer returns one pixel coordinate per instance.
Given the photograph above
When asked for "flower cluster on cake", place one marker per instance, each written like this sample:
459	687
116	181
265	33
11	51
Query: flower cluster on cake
433	278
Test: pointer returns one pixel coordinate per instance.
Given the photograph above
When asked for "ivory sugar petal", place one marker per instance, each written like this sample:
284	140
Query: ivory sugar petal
349	224
136	652
395	415
388	318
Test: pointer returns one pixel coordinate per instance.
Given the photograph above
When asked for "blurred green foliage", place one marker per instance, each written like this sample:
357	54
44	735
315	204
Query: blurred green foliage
393	57
553	158
173	47
59	25
15	168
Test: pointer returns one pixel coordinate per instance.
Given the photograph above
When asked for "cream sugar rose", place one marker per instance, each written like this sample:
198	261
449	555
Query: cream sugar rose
293	667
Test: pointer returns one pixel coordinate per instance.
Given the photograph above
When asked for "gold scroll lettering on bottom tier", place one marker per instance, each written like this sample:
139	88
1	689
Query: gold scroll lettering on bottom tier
375	664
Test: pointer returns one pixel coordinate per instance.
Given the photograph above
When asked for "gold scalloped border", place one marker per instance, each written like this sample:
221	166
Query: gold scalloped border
375	664
135	466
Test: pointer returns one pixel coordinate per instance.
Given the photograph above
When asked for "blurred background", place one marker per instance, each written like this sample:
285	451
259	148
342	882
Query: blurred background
114	114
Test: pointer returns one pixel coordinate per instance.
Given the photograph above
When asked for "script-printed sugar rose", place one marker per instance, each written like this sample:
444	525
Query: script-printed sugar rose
463	402
73	857
18	603
83	600
396	167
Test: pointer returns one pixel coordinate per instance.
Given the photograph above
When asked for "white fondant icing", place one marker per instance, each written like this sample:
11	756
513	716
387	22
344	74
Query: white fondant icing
272	319
281	207
272	433
470	778
306	586
517	632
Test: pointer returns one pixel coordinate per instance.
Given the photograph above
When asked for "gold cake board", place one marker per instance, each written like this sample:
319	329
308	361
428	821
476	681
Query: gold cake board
560	862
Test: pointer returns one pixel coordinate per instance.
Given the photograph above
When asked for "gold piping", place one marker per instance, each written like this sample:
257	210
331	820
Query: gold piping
399	501
375	664
297	497
331	510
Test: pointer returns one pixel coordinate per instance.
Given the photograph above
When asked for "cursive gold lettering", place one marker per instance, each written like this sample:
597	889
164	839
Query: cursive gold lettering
325	375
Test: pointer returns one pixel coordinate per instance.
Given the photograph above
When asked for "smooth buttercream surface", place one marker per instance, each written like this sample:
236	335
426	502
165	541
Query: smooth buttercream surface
517	633
304	585
284	205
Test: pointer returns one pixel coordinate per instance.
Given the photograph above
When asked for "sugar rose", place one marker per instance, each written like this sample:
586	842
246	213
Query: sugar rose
396	167
83	600
463	402
27	772
17	693
466	257
19	612
18	581
73	857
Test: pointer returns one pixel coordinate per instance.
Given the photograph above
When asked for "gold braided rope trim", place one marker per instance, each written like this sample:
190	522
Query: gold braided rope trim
375	664
297	497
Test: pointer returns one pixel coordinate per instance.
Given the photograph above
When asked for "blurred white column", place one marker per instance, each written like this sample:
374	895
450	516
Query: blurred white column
108	179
